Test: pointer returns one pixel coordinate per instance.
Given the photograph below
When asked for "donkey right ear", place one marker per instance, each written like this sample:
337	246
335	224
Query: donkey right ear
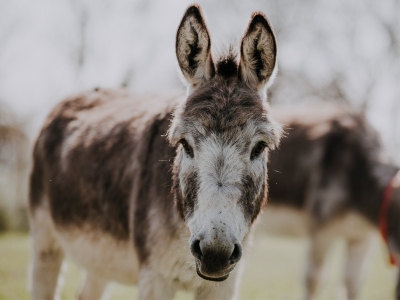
193	48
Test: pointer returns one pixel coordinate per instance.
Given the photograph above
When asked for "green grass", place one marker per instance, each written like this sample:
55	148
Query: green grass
274	271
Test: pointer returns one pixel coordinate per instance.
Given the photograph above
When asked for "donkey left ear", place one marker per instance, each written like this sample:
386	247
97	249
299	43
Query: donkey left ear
193	47
258	53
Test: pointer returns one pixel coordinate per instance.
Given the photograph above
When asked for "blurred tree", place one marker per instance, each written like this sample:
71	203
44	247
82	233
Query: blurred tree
13	171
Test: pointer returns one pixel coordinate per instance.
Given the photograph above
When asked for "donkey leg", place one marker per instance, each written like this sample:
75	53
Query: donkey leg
228	289
93	288
47	260
218	291
154	286
358	252
320	245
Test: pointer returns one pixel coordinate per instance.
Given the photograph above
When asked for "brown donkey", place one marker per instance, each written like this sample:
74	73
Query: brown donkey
110	189
330	179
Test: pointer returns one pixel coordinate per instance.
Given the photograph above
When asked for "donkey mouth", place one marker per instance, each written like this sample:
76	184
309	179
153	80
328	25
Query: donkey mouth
211	278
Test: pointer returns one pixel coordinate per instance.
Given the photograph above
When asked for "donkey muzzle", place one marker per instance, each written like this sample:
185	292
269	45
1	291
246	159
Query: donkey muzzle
215	259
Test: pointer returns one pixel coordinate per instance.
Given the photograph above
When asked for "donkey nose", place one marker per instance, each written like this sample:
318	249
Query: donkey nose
236	254
196	249
203	251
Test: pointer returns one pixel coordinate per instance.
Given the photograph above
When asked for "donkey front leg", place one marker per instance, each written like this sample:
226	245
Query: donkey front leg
357	254
220	291
228	289
93	288
46	264
154	286
319	248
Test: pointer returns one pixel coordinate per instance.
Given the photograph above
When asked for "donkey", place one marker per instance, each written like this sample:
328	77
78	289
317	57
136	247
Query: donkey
329	179
103	190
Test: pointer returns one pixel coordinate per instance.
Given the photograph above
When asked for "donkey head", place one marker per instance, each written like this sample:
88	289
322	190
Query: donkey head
223	130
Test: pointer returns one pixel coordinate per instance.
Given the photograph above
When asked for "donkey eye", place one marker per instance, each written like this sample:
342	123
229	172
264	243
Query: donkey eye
186	147
257	150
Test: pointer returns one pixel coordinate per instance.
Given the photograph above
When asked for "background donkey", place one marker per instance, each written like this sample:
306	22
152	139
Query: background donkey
327	181
101	183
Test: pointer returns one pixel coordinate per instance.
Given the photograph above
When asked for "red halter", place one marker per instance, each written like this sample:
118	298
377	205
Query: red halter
386	197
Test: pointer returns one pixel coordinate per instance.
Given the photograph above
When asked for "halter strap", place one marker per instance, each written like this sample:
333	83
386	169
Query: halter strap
383	212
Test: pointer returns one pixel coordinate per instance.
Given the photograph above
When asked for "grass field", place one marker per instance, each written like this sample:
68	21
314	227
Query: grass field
274	271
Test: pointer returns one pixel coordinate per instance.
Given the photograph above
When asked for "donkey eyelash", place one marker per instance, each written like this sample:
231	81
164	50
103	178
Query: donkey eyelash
258	149
188	149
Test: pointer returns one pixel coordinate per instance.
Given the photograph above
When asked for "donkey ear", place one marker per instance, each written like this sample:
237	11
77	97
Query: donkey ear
258	53
193	46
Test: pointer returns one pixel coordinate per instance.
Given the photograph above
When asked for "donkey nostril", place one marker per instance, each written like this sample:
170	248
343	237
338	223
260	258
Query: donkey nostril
236	254
196	250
